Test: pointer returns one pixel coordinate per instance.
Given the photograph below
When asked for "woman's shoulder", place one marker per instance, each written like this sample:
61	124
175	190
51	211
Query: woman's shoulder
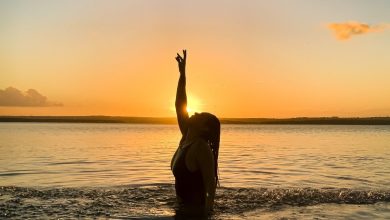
202	151
201	145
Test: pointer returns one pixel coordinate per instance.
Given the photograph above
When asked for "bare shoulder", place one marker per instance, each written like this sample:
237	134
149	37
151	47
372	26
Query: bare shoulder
202	148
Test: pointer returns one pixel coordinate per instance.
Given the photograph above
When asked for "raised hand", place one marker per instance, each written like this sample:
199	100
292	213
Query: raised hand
181	95
182	62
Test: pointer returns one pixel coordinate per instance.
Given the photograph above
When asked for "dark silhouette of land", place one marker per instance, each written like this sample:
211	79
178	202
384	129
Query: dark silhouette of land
168	120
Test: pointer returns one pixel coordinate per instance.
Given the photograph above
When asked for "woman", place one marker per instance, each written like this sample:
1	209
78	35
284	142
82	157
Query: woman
195	162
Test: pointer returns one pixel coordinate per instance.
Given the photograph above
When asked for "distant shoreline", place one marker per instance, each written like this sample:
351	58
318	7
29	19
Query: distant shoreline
172	120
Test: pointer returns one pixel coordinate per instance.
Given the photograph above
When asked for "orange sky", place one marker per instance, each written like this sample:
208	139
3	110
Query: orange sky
245	58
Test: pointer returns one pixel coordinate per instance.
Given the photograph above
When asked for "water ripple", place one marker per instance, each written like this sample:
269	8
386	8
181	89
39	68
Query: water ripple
159	200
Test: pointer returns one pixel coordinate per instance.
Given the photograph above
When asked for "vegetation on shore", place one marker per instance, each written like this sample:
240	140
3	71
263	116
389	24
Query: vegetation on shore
167	120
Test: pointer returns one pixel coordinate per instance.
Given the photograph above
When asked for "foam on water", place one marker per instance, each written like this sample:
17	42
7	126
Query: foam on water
54	170
158	200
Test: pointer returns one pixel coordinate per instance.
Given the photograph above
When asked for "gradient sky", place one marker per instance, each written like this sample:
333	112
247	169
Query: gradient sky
245	58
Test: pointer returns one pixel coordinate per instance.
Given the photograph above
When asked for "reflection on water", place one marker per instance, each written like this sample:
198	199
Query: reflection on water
54	170
307	155
55	154
81	154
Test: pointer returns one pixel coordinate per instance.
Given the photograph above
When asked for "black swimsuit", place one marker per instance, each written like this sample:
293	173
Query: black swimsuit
189	185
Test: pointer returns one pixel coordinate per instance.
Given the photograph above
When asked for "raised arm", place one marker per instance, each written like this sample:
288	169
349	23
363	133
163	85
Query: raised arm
181	96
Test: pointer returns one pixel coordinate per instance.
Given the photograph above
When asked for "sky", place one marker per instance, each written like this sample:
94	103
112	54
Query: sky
275	59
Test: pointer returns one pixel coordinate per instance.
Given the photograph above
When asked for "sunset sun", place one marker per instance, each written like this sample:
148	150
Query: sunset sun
193	105
195	109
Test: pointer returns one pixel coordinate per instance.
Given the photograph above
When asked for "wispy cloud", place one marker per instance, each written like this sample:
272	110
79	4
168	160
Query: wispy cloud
14	97
344	31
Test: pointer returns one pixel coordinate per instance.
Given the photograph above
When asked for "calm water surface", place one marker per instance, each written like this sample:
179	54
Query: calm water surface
38	154
262	160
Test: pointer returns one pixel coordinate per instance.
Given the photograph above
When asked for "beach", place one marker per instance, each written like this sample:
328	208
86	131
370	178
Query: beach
106	170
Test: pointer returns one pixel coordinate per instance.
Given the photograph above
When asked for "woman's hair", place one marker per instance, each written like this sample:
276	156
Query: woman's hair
213	138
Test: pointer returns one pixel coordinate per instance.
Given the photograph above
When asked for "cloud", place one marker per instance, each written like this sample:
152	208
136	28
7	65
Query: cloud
344	31
14	97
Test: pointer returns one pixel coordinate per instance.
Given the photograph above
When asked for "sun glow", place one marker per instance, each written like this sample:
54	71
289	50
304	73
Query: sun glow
193	105
190	111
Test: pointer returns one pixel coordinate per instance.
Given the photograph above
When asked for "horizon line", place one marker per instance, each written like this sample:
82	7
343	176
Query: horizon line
334	120
166	117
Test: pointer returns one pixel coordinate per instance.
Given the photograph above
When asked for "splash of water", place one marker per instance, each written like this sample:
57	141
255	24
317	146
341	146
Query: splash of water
149	201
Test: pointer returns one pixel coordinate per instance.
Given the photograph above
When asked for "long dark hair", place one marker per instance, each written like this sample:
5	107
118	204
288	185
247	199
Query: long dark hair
213	138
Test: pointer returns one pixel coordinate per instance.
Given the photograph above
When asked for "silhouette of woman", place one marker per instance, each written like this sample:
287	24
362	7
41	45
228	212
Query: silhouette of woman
195	162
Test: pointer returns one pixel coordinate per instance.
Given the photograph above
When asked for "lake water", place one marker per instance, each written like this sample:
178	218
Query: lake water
76	170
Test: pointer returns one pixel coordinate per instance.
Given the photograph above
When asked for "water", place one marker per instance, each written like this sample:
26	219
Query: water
57	170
